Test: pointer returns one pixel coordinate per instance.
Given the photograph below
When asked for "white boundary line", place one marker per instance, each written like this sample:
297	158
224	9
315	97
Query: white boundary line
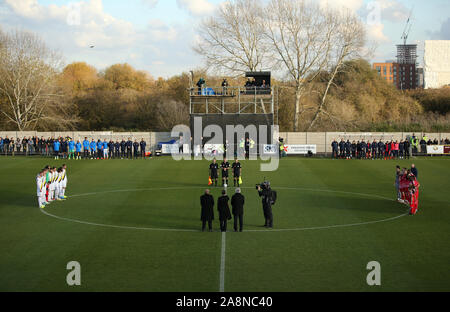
222	264
115	226
198	187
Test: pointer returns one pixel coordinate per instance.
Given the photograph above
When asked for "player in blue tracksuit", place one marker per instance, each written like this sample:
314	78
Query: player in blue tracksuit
99	149
78	148
56	146
93	147
71	149
86	148
105	149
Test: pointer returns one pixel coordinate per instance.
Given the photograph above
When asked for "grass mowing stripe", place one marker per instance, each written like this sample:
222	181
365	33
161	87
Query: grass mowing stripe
222	263
34	249
114	226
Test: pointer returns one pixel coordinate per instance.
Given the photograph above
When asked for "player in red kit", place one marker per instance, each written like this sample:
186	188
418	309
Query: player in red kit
403	186
414	188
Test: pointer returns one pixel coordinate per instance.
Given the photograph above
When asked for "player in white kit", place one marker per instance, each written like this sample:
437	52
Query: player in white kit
64	182
40	186
54	176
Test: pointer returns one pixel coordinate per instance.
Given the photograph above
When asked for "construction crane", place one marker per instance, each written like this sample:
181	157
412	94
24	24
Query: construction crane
407	29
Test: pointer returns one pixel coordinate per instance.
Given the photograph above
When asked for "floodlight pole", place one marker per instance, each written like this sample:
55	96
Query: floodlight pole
239	100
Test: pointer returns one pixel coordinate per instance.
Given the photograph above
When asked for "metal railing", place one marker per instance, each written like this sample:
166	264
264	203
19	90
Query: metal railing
231	100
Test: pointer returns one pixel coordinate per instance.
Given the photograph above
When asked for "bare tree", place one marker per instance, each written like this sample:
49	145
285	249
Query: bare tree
300	33
232	39
28	73
347	41
171	113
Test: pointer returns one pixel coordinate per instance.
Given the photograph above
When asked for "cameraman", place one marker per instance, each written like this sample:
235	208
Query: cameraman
266	193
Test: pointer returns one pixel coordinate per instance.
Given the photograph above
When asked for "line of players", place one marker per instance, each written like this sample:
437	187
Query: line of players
407	187
51	185
99	149
214	168
374	150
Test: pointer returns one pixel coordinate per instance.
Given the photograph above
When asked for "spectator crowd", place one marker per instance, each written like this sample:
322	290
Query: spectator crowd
71	149
391	149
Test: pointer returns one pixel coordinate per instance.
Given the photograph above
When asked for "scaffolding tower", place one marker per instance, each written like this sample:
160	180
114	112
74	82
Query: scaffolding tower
407	53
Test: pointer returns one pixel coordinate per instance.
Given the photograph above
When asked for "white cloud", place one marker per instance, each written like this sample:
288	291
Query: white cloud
26	8
385	10
353	5
93	25
375	33
150	3
372	13
196	7
116	40
443	33
159	30
393	11
156	22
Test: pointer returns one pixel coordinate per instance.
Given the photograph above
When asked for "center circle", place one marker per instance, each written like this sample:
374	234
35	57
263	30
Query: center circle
180	212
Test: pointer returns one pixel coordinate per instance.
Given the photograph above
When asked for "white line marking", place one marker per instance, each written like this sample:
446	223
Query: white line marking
196	187
115	226
330	226
222	264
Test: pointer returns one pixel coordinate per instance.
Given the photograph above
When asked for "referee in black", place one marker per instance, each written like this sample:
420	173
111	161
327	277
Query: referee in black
225	167
237	171
213	168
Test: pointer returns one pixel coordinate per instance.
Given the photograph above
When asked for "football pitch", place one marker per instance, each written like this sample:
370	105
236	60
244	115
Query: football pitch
134	225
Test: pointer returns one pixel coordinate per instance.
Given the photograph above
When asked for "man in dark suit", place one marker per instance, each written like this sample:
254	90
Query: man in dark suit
224	210
237	202
334	148
207	214
414	171
123	147
129	146
135	149
143	145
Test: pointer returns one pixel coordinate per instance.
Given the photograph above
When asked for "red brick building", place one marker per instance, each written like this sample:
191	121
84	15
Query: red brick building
385	70
403	76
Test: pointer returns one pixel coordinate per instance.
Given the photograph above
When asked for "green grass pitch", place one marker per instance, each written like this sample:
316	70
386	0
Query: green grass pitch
336	216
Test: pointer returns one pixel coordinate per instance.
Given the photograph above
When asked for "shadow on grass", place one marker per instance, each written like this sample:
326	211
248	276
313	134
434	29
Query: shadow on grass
19	199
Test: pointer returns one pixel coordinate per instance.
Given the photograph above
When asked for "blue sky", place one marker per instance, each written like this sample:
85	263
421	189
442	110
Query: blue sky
158	35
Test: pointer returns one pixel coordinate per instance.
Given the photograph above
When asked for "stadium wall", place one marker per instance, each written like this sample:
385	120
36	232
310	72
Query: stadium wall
321	139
